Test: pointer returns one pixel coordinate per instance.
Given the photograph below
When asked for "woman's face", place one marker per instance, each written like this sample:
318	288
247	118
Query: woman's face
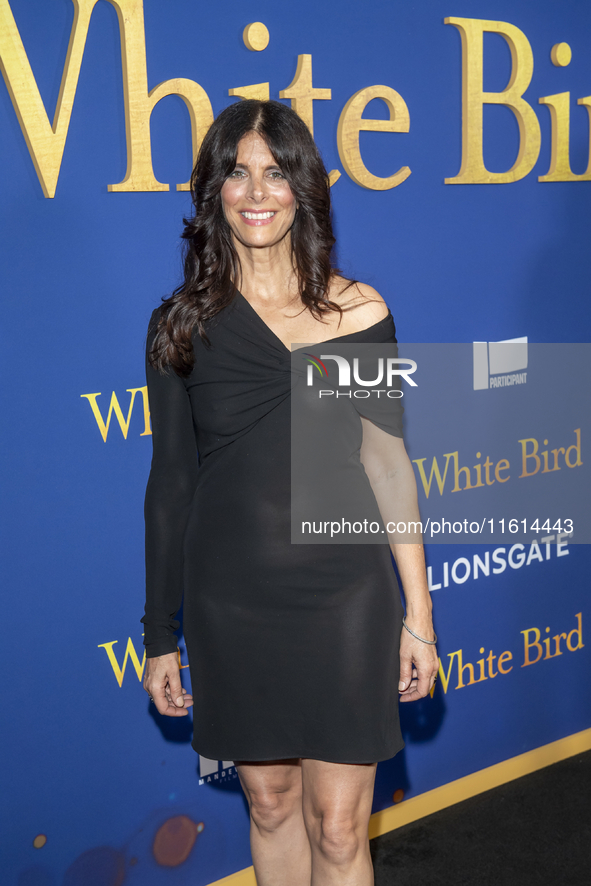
258	203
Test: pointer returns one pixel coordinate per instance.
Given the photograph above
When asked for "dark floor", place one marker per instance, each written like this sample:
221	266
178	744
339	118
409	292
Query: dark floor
535	831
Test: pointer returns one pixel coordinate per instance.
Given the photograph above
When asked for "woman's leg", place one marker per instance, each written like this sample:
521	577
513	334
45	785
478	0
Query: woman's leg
278	838
337	800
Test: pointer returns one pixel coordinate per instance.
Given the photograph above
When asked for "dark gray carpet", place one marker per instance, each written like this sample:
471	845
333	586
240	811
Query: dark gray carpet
535	831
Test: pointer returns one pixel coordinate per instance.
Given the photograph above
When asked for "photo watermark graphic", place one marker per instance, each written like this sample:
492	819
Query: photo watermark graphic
395	444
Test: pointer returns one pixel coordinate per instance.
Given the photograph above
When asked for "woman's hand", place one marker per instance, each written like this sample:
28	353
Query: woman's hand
162	682
419	664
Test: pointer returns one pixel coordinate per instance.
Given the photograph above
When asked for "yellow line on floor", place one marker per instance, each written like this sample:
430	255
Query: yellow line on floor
456	791
242	878
476	783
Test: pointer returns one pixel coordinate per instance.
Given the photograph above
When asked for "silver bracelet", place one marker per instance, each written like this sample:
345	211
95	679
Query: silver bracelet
416	636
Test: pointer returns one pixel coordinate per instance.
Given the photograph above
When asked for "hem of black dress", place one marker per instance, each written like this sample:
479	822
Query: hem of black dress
323	758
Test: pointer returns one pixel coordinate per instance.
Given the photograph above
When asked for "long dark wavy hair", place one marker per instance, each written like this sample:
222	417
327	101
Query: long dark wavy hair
211	265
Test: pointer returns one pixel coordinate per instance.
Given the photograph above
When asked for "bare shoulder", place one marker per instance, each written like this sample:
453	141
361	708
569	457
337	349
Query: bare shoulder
362	304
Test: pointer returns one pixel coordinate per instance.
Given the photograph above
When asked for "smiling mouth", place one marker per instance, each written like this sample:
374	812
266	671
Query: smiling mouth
257	216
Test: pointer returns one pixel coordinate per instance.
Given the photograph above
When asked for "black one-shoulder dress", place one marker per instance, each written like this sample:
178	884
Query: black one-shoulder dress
293	649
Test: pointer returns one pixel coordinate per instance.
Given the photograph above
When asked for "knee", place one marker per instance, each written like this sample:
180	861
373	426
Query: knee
269	810
338	840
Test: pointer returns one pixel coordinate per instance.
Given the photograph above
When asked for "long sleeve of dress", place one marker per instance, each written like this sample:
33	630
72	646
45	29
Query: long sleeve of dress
171	485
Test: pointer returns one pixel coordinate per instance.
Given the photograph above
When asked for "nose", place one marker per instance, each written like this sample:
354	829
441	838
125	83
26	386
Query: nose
256	190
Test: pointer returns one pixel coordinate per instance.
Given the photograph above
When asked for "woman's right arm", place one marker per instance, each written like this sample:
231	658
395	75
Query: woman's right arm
170	490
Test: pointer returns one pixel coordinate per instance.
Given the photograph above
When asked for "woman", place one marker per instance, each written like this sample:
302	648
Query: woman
294	650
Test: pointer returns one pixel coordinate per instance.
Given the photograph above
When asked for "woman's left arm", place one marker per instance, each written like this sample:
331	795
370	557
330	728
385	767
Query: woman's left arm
392	479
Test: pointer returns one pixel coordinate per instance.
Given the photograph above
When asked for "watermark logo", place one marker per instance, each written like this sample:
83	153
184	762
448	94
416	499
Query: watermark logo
500	364
314	362
383	371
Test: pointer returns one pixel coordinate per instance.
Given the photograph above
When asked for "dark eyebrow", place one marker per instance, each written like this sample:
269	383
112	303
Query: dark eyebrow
244	166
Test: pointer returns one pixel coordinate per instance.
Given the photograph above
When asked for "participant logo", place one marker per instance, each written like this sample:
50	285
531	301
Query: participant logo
499	364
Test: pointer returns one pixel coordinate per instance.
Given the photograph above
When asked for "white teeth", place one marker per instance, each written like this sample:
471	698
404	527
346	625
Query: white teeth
257	215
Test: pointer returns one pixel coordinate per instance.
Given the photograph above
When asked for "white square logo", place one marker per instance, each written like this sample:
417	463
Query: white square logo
499	364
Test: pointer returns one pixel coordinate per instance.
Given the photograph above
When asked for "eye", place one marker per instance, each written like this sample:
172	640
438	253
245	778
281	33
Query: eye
276	174
238	173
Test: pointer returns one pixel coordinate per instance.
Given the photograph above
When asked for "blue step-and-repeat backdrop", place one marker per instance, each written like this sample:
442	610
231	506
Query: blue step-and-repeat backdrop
457	136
